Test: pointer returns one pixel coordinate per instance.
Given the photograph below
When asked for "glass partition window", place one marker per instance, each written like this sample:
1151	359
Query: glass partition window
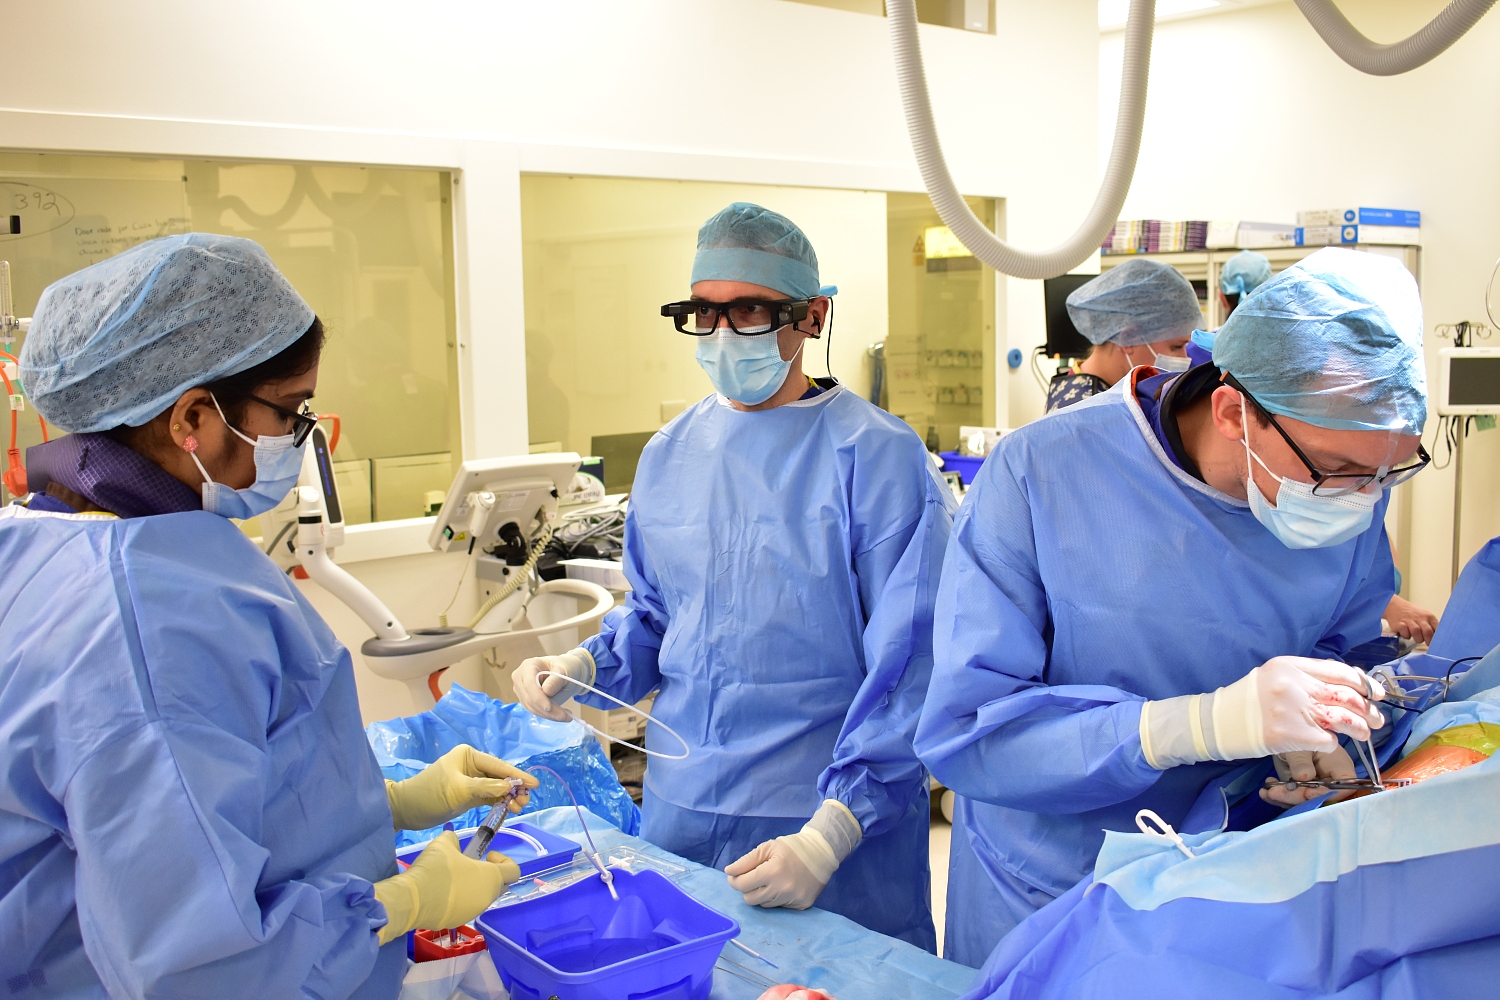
938	353
370	250
601	255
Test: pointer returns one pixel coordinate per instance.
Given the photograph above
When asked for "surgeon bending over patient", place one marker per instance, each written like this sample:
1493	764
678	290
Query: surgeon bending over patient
783	545
1082	675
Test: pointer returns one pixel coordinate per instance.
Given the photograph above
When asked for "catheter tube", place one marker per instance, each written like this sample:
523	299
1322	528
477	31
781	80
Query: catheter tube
1398	57
950	204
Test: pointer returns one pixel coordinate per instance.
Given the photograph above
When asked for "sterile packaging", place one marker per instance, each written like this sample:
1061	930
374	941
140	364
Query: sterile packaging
405	746
1406	217
1250	235
1314	236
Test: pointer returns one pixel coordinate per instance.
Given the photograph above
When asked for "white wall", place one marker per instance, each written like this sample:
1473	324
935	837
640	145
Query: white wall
1251	116
805	96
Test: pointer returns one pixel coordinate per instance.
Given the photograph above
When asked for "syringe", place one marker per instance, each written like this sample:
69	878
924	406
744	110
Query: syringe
480	842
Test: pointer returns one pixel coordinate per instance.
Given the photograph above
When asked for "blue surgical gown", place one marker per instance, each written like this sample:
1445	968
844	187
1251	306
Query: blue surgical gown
784	565
1087	574
188	805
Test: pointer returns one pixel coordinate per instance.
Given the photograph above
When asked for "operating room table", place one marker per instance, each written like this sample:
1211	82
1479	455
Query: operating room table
810	947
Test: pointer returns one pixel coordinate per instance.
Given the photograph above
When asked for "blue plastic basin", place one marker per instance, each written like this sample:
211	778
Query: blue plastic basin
967	466
558	850
656	943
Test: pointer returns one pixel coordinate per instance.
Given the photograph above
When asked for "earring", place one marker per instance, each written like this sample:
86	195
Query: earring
177	427
190	444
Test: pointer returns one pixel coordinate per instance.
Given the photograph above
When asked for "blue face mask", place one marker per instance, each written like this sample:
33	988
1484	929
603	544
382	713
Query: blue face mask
746	369
1301	519
278	463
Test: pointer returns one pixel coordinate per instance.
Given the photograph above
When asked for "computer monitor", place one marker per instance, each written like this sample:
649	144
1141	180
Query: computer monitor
489	495
1468	381
1063	338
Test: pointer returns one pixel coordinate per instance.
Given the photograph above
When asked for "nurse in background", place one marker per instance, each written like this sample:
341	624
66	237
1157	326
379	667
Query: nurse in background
1242	274
1139	313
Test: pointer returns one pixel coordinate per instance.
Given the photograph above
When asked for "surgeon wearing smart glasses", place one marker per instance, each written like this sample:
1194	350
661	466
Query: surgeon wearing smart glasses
188	803
783	547
1082	676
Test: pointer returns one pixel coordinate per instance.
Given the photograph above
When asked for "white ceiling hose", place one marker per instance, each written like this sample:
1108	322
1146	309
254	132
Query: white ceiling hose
1398	57
950	205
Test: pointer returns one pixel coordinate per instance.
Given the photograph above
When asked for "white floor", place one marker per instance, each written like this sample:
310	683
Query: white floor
938	841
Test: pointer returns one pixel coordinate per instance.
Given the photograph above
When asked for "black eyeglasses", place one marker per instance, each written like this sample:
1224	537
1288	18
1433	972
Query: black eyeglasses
303	419
747	317
1337	484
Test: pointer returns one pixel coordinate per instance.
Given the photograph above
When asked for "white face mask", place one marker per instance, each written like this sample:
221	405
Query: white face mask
1165	362
278	463
1301	519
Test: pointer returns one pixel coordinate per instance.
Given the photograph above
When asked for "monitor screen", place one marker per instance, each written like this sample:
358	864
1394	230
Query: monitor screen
1063	338
1474	381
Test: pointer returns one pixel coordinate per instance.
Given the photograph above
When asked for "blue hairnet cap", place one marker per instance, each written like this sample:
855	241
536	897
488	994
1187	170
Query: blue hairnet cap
1336	341
745	242
1138	302
1244	272
116	343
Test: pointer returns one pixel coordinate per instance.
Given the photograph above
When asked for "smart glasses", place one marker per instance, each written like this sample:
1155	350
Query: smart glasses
746	317
303	419
1338	484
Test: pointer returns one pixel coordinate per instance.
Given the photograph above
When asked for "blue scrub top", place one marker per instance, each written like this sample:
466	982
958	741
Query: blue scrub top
1088	573
188	805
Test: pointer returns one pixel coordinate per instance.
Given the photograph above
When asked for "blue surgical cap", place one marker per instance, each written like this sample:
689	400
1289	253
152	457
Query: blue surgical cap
1244	272
1336	341
1138	302
116	343
745	242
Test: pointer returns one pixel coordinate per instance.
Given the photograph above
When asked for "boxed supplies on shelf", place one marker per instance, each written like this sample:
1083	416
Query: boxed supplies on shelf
1405	217
1315	236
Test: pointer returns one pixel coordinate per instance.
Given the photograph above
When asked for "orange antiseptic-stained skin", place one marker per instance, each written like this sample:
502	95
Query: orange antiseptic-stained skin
1428	762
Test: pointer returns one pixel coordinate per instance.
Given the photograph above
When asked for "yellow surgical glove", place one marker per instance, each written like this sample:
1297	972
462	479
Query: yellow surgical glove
442	888
456	782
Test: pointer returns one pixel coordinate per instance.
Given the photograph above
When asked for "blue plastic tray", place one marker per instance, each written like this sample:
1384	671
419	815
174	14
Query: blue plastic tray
967	466
559	850
578	943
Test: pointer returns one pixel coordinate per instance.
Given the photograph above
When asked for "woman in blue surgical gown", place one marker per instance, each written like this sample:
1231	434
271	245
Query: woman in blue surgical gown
188	805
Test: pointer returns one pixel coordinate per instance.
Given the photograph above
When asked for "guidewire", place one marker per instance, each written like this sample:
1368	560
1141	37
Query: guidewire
1350	45
950	205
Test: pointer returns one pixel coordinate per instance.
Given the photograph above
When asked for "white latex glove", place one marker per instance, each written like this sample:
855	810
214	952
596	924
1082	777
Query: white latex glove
1287	703
1302	765
791	871
545	697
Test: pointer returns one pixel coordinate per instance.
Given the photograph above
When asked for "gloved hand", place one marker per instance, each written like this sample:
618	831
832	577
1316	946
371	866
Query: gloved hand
791	871
1303	765
442	888
1287	703
453	784
545	697
790	991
